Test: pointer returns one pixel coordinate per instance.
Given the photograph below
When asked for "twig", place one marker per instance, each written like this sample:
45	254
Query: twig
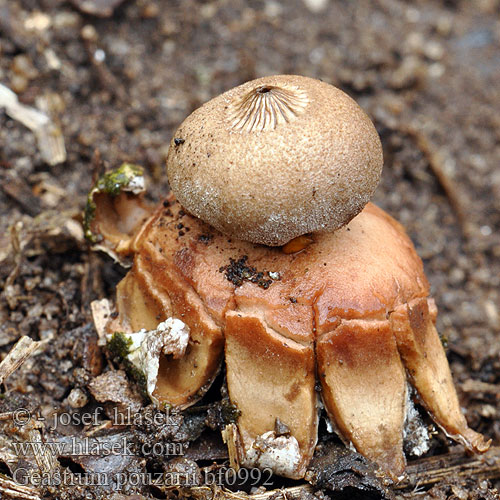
17	188
97	58
424	472
18	256
456	197
292	493
44	456
14	490
454	465
48	134
23	349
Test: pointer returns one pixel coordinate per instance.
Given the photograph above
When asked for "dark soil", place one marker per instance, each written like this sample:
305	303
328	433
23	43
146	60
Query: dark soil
118	83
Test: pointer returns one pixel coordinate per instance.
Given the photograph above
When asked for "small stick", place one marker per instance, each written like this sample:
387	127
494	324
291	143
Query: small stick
291	493
44	457
15	490
96	57
23	349
431	470
456	197
48	134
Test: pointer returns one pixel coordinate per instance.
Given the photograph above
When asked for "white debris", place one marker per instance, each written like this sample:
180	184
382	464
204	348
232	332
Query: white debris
136	185
170	337
485	230
273	9
37	21
48	134
100	55
415	433
279	453
329	426
101	312
77	398
316	6
53	61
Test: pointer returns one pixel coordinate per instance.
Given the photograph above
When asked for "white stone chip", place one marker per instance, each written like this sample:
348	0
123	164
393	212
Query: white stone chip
279	453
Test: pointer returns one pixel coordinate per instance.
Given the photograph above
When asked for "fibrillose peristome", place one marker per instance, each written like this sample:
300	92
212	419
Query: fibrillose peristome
265	107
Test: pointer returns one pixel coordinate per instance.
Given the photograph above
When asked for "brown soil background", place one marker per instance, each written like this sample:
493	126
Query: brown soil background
427	73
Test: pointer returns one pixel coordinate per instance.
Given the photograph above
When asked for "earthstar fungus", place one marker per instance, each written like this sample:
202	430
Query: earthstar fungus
347	306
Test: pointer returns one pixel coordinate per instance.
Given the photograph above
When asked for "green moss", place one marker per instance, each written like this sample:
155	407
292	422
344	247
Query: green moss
444	340
139	376
112	183
229	412
88	217
119	346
